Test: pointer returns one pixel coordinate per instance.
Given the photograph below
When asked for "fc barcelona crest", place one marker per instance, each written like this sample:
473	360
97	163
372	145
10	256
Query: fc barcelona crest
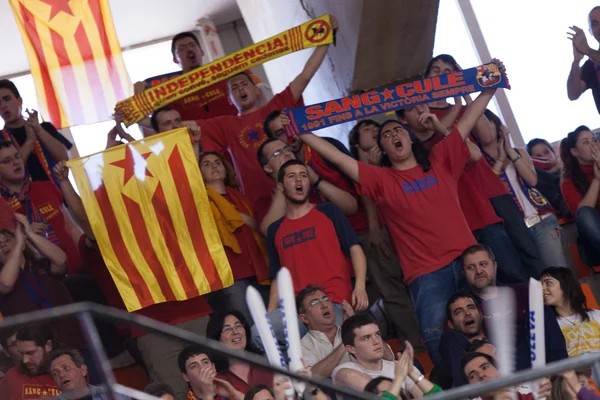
488	75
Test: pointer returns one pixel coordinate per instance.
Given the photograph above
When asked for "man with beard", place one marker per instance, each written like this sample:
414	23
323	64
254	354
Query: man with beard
464	320
30	380
479	267
315	242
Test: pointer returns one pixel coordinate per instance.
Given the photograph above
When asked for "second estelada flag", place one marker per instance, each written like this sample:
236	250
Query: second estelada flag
149	210
74	57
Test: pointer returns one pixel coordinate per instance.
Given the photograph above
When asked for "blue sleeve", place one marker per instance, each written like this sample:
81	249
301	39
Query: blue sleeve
452	350
556	347
343	229
274	262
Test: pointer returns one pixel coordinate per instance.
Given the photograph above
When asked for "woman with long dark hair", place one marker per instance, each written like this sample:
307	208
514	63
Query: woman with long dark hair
579	324
580	187
244	247
233	330
515	169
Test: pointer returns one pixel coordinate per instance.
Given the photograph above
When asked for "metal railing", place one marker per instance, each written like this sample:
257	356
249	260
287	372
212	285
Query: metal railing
86	312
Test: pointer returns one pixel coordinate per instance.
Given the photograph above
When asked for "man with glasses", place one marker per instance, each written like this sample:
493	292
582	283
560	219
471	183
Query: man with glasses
272	154
322	347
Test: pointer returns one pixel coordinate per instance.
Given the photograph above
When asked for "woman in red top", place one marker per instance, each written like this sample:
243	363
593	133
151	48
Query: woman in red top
580	187
232	330
244	247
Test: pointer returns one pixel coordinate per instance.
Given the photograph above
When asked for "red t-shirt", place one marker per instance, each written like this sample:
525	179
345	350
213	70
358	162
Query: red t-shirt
210	102
492	185
242	136
358	220
315	248
47	198
251	261
421	209
170	312
474	203
17	386
571	194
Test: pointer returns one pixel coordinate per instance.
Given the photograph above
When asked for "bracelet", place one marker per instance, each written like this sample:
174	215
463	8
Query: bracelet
516	159
420	378
316	185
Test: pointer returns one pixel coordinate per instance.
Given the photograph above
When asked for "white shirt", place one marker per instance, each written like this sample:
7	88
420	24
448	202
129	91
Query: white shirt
387	370
581	336
316	346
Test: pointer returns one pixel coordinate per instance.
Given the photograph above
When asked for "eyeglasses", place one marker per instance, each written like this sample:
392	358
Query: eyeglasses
229	329
9	160
278	153
316	302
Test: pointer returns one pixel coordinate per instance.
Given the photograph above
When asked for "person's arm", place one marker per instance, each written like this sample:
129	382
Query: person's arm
523	164
325	367
591	196
313	63
345	163
474	150
376	237
56	256
344	200
72	199
57	150
453	113
352	378
276	211
9	273
360	300
473	112
273	297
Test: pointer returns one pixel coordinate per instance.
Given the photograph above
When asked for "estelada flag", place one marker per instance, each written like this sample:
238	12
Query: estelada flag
148	208
74	57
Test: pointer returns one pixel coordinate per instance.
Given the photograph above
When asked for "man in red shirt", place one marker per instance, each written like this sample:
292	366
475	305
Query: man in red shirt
483	221
31	380
243	135
40	201
384	271
158	352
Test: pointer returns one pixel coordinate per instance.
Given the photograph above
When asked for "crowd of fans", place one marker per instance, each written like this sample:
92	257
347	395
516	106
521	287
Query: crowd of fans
424	217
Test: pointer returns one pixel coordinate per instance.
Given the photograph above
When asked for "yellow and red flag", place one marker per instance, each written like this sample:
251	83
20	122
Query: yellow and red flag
148	208
74	57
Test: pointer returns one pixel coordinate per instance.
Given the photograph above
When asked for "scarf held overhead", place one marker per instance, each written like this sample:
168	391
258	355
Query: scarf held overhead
316	32
365	105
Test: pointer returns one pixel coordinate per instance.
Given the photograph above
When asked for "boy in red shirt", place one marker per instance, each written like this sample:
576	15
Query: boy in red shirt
242	135
31	379
418	198
40	201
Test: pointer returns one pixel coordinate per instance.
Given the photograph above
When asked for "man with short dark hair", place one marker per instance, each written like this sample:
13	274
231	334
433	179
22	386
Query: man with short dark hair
40	145
200	373
40	201
8	340
241	136
479	267
71	376
465	321
586	77
31	380
362	339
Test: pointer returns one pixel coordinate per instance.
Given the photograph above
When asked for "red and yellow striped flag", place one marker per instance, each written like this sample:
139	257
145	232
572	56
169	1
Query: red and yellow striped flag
74	57
149	210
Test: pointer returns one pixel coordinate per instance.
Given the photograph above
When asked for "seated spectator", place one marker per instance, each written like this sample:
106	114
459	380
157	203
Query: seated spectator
272	154
200	373
8	340
40	145
515	168
465	321
580	187
481	346
570	385
548	168
379	386
481	174
361	336
31	378
233	331
479	267
159	353
322	347
161	390
311	232
422	186
70	376
260	392
244	247
40	201
579	324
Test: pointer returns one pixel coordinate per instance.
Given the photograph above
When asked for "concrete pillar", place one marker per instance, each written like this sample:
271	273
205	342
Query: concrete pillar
379	42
